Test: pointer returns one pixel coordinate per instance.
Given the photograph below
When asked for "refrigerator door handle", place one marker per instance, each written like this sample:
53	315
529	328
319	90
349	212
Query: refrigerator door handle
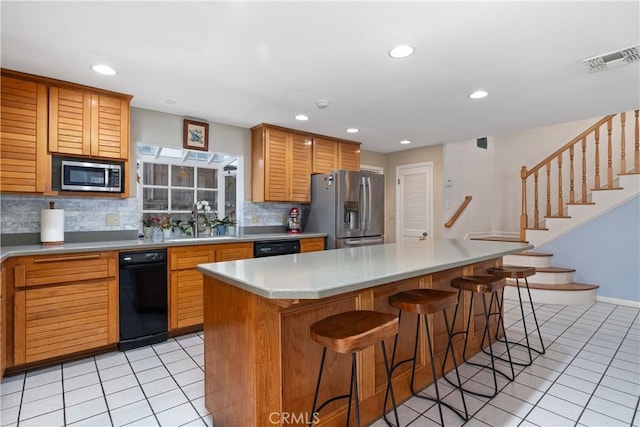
369	209
365	207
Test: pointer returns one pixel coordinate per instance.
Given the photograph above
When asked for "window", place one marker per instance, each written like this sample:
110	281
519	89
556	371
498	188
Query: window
172	180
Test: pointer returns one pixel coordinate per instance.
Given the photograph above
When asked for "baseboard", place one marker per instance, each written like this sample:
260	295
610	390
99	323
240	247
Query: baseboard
618	301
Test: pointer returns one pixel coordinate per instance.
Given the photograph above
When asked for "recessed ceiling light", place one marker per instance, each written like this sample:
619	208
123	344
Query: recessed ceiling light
401	51
103	69
353	130
479	94
302	117
405	142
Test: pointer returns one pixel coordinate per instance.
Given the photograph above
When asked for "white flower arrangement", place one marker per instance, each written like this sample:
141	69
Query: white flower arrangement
203	211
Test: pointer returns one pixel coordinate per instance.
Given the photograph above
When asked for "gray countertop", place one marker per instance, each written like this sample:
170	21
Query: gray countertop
322	274
141	244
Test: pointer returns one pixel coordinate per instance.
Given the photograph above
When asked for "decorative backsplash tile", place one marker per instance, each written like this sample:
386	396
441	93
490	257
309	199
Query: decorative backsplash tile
21	213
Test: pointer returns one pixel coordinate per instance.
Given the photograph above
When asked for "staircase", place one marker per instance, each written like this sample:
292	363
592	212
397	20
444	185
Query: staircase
564	178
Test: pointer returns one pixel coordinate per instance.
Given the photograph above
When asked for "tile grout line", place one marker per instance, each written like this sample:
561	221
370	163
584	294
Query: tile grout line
584	408
104	395
570	364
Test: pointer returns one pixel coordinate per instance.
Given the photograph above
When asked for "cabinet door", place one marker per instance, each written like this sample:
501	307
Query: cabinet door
325	155
88	124
312	245
54	321
349	156
69	121
25	166
185	298
234	251
3	323
109	127
275	166
300	168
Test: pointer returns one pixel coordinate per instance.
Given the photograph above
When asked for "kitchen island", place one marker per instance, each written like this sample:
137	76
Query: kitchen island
260	361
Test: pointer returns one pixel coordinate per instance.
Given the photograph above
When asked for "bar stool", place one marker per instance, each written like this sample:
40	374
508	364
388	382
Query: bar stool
423	302
483	285
517	272
351	332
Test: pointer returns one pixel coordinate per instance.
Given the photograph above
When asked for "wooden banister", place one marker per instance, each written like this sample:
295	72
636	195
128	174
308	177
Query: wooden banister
563	180
456	215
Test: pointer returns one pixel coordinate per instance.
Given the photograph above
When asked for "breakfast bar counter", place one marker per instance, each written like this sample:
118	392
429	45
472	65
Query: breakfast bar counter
260	361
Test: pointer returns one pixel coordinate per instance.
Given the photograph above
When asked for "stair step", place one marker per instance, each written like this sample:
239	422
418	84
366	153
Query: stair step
562	287
606	188
631	172
499	239
535	228
531	253
580	203
554	270
557	216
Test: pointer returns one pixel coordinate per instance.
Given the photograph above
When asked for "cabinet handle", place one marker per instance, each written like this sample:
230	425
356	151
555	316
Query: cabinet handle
69	258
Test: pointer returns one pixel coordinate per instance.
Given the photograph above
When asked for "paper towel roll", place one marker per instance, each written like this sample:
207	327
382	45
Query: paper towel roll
52	226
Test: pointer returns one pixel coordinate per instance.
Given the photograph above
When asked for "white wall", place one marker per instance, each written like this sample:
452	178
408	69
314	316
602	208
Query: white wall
471	171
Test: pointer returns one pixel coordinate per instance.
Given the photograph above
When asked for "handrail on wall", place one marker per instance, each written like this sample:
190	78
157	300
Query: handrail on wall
456	215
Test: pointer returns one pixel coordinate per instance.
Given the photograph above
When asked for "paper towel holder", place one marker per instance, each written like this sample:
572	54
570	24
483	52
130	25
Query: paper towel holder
51	226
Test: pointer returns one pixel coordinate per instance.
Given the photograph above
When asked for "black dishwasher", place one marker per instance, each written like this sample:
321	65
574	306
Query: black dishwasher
143	298
275	247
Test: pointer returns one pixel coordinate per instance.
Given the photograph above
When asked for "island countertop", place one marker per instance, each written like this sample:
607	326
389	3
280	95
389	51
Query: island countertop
327	273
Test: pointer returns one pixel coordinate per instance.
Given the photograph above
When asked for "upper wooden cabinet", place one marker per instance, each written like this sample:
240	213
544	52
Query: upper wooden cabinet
85	123
330	155
280	165
25	164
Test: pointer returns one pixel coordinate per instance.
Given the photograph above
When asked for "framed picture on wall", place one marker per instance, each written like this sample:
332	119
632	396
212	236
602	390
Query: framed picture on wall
196	135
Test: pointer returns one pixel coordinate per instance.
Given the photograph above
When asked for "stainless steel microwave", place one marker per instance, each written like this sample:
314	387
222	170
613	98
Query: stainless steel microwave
89	176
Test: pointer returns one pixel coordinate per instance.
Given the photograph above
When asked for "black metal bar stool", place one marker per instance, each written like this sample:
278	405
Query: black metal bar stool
423	302
517	272
351	332
483	285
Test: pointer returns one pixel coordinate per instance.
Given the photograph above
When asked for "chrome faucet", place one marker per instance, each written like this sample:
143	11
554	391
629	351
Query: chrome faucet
194	220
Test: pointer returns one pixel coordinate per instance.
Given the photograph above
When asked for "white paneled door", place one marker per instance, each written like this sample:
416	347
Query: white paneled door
414	204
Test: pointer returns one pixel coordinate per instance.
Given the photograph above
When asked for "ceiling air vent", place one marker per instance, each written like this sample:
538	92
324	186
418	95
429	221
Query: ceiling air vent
619	57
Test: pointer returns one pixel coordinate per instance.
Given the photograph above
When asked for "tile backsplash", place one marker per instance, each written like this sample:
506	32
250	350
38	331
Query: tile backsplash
21	213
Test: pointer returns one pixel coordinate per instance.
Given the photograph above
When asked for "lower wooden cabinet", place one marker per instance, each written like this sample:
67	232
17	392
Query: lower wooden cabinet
186	283
3	323
58	320
63	304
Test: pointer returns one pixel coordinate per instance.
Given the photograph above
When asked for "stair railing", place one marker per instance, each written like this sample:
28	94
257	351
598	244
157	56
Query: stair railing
456	215
563	181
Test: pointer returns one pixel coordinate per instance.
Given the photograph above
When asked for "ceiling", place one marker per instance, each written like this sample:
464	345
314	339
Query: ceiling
244	63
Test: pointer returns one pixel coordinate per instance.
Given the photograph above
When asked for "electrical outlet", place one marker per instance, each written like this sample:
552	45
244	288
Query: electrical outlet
284	218
113	219
254	219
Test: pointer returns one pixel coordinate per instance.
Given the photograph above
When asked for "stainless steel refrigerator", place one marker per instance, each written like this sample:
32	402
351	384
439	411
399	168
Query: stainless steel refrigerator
349	206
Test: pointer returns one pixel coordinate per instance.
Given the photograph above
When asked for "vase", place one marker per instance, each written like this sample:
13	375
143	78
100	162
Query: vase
222	230
148	232
166	233
157	234
207	230
231	230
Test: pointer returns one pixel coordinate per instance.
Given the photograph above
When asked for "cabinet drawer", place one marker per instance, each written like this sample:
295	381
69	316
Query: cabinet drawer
65	319
190	256
47	270
311	245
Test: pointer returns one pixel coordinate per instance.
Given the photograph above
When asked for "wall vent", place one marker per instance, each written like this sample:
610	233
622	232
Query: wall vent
607	60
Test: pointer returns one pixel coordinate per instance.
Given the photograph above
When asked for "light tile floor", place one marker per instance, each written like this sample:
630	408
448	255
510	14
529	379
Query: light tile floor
590	376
